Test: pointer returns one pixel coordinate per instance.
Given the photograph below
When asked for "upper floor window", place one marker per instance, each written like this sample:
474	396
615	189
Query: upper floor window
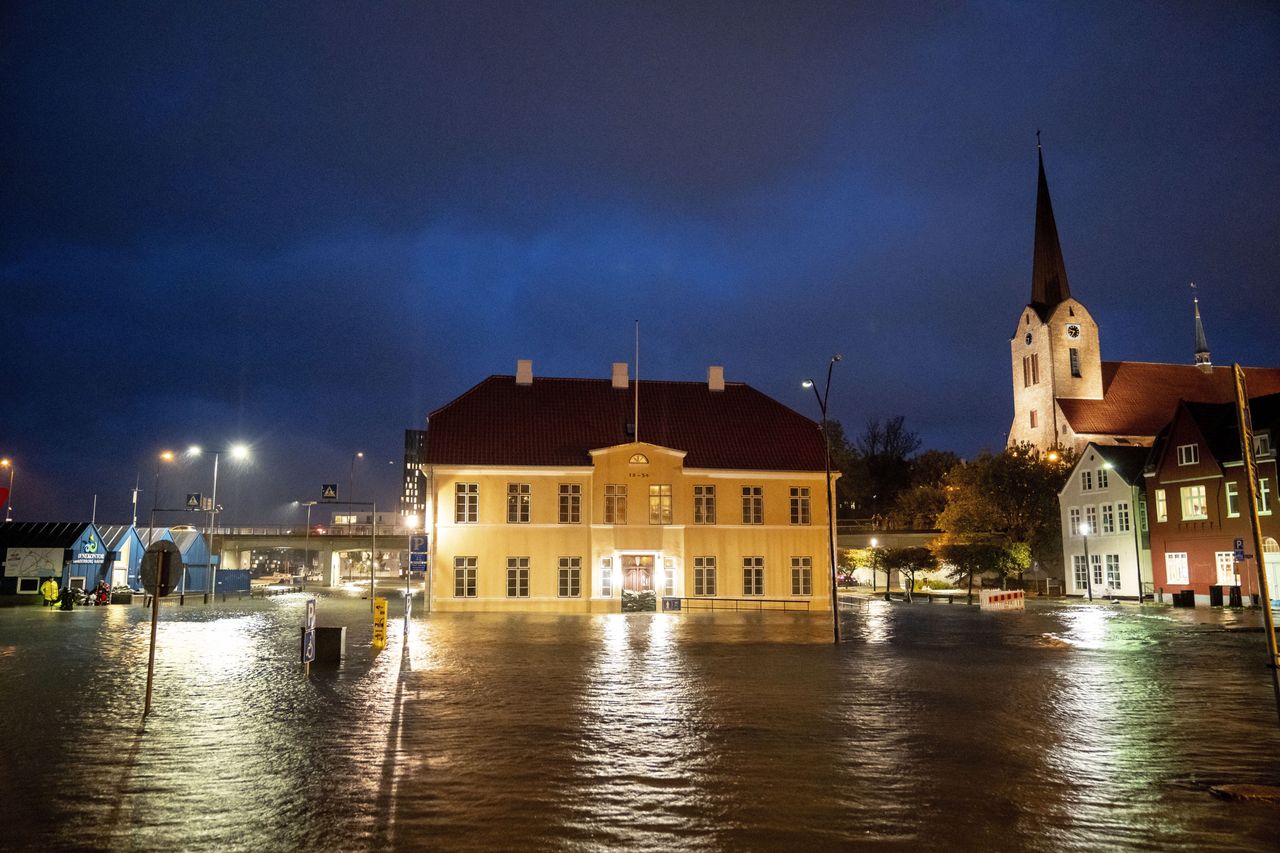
660	504
753	505
800	505
1264	497
1262	443
1073	521
1194	505
518	499
704	504
1086	481
1162	506
1188	454
1030	370
1108	518
615	504
1233	500
1142	514
1122	517
570	503
1034	419
466	503
1090	521
1103	478
1075	362
638	459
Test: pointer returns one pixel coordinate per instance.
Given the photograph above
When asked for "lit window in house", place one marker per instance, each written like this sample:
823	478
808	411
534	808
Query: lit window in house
606	577
570	577
518	498
1075	362
660	504
464	577
466	503
517	577
1175	567
802	576
753	505
1194	505
1073	521
1162	506
570	503
615	504
799	505
1226	564
753	575
1091	520
1264	497
1113	571
1233	500
669	577
1086	481
1080	571
1188	454
1103	479
1122	517
704	575
1108	518
704	504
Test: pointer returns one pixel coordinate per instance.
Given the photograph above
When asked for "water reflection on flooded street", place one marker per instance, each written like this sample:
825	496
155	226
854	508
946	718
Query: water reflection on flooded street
1066	727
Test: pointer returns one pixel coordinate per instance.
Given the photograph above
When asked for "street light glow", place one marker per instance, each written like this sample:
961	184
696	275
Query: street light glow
239	451
166	455
194	450
808	383
1084	529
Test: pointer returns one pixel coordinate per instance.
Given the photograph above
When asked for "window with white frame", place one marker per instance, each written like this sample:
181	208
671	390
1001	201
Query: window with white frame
1108	518
1113	570
669	576
1073	521
753	575
1262	443
704	504
1162	506
464	577
753	505
1090	521
28	585
1226	565
606	577
466	503
1264	497
1080	571
1095	560
660	504
1175	567
518	500
1142	513
1188	454
1086	481
1103	478
517	577
800	505
1233	499
615	504
570	503
704	575
1123	520
570	577
1194	505
802	576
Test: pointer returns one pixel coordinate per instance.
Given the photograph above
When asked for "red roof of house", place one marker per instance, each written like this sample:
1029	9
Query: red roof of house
559	421
1139	398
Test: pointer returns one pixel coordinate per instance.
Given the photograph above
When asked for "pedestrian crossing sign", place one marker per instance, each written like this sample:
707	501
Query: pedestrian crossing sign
329	491
193	500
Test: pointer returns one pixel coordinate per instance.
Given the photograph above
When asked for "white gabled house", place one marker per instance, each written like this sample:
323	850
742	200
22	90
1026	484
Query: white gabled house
1105	549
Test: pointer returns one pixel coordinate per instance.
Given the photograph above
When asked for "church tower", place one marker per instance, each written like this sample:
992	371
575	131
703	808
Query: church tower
1202	359
1055	351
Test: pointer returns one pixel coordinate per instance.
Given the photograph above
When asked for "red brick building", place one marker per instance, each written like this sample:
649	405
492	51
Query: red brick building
1197	504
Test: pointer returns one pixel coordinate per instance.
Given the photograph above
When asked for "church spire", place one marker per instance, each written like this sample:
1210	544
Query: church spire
1202	359
1048	272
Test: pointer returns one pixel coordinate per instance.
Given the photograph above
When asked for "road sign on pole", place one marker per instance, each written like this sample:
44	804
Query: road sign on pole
1239	550
329	491
309	632
417	553
193	500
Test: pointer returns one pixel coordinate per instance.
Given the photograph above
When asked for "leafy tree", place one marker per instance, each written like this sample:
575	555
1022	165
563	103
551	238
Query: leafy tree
881	464
966	559
851	559
1014	495
908	561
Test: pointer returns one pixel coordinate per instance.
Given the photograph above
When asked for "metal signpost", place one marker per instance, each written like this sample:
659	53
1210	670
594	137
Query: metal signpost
162	572
309	636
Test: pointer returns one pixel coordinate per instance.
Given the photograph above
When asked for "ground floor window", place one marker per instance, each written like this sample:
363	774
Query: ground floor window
517	577
464	577
1226	562
28	584
1080	571
1175	567
1113	571
704	575
753	575
606	577
669	577
802	576
1096	561
570	577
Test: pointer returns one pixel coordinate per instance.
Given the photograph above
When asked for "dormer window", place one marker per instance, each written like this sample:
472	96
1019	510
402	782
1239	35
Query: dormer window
1188	454
1262	443
639	459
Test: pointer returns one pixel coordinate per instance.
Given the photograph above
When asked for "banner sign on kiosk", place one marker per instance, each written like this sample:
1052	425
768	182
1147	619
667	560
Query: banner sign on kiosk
380	623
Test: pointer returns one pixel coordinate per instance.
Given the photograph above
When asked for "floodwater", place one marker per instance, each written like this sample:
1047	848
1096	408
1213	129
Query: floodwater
1068	727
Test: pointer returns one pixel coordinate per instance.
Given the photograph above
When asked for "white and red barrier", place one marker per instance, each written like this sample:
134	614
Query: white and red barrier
1003	599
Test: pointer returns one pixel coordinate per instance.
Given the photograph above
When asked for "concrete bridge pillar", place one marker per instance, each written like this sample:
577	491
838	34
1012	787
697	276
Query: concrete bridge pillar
329	568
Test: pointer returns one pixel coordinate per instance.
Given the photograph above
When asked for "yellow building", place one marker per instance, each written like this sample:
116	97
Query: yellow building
544	496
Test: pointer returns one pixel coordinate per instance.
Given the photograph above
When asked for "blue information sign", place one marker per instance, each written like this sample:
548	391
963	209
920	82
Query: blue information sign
1239	550
309	632
417	553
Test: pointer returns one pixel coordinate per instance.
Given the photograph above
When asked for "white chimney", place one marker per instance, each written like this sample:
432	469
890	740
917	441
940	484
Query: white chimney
620	374
524	372
715	378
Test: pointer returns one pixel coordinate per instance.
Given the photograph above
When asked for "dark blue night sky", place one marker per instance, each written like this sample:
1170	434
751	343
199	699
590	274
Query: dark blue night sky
307	225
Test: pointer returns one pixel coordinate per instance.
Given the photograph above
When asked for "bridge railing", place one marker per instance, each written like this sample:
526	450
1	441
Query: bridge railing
325	530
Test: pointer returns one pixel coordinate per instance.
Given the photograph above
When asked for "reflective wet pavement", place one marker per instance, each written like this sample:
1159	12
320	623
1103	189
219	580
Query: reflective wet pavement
1067	727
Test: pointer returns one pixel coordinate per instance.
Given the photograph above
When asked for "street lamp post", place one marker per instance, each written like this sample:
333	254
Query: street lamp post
237	451
831	520
306	567
875	566
1088	567
8	510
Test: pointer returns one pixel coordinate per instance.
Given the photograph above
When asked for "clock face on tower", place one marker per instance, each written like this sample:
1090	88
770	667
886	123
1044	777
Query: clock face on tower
1073	331
1028	339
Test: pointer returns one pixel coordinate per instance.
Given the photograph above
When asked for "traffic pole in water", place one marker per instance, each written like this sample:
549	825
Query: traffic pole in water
155	620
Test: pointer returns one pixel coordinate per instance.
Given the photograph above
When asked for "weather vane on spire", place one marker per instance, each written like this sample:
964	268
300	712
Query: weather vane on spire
1037	139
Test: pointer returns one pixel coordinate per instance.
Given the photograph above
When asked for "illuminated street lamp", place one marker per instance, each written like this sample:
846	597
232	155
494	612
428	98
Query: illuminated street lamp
8	510
239	452
875	566
1085	530
359	454
164	456
831	518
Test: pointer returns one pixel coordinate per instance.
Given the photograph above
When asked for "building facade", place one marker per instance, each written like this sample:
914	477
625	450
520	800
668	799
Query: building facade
581	495
1104	533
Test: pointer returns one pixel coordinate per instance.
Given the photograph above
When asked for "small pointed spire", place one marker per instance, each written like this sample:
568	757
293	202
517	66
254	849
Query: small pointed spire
1048	271
1202	359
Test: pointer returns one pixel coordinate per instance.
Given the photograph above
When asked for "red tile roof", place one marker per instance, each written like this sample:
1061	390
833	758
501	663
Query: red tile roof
558	421
1139	398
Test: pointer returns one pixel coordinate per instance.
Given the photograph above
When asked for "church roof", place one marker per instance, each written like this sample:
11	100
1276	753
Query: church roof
1139	398
1048	271
557	422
